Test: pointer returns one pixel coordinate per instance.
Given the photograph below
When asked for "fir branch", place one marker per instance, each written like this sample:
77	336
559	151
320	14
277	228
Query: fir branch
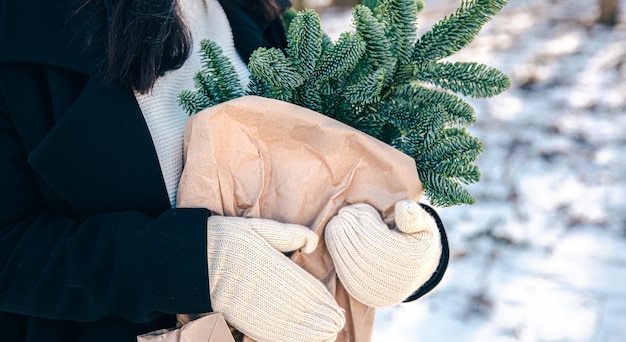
428	130
307	96
219	71
400	112
459	112
456	31
270	66
375	6
371	124
467	78
327	43
304	41
256	87
458	170
204	81
443	191
377	46
334	106
399	19
462	147
341	58
288	15
389	132
192	102
368	90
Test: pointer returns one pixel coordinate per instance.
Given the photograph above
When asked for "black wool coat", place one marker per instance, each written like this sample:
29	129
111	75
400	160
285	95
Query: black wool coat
90	249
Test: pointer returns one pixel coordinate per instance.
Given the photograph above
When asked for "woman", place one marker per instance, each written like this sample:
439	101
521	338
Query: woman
92	247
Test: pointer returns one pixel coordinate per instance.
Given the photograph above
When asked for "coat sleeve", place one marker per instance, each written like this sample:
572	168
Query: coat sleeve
122	263
435	279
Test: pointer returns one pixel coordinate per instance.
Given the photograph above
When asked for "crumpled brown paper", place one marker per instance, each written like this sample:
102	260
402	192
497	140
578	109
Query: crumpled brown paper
258	157
209	328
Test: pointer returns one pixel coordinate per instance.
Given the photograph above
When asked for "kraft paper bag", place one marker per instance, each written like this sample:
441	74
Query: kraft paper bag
258	157
209	328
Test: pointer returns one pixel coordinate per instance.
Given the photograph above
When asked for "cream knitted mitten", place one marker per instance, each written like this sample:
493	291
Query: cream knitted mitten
259	290
379	266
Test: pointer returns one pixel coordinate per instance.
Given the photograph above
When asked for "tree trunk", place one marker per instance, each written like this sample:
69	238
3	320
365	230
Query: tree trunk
609	12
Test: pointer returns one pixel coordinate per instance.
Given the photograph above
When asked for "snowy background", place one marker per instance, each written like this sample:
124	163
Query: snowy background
542	255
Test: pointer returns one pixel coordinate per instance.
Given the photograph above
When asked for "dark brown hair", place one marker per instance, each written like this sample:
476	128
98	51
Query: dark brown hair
143	39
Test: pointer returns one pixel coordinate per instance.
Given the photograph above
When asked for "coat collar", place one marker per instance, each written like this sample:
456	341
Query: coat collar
43	32
101	145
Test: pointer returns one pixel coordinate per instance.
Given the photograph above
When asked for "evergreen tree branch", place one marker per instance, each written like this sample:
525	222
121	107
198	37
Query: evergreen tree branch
341	58
304	42
369	123
428	130
467	78
459	171
204	81
308	96
459	112
399	18
460	146
456	31
192	102
442	191
271	67
377	46
219	71
368	90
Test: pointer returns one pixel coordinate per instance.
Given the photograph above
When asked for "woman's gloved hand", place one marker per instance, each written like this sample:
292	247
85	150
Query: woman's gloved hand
379	266
259	290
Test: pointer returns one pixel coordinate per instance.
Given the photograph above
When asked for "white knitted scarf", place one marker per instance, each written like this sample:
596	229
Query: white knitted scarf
165	119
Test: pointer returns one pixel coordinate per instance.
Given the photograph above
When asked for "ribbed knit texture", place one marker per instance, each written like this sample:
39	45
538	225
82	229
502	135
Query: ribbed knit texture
259	290
379	266
165	119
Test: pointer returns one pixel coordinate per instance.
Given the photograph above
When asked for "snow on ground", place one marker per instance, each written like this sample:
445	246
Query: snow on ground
542	255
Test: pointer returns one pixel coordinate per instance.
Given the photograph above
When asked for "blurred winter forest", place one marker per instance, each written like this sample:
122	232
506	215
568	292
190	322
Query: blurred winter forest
542	255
